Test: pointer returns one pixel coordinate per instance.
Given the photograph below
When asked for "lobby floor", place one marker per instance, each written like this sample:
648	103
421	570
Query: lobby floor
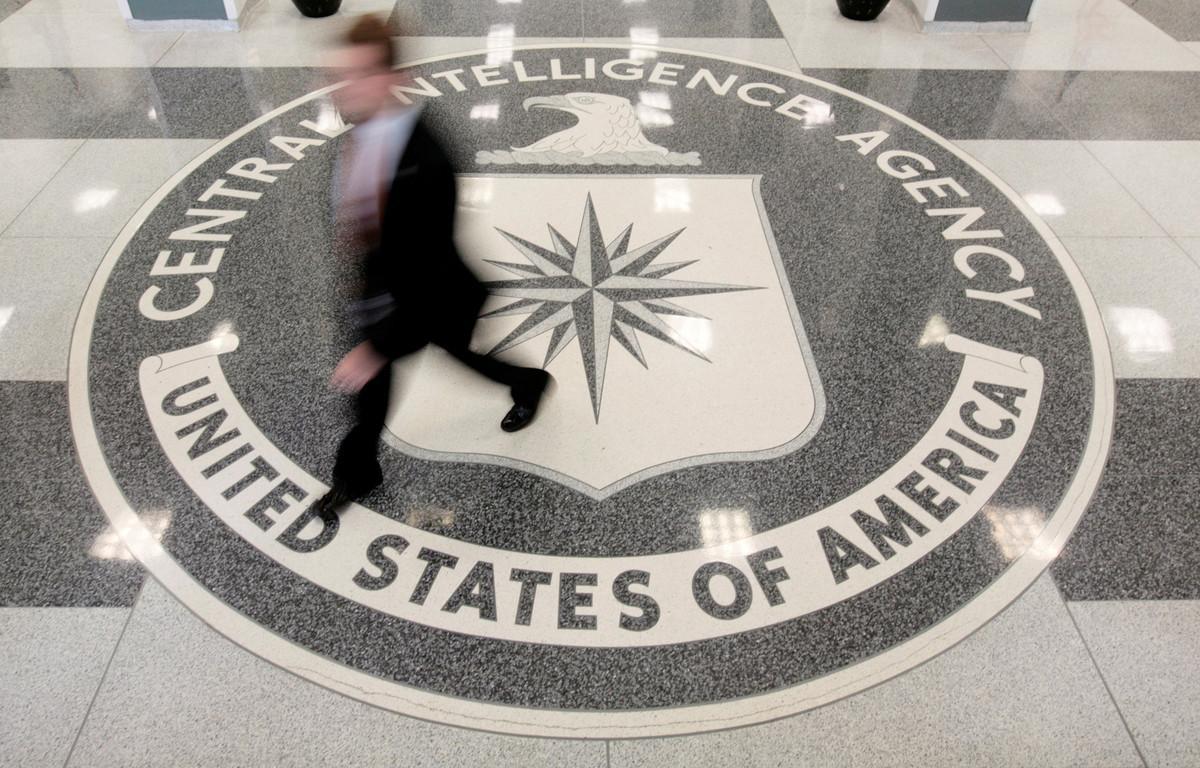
875	431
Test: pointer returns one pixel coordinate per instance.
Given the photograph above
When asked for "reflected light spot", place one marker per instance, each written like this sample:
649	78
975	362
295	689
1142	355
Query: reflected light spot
110	544
1016	532
1045	204
656	99
477	194
696	331
500	43
92	199
328	118
152	113
650	117
642	37
672	195
485	112
935	331
651	108
223	338
6	314
726	529
1143	332
817	114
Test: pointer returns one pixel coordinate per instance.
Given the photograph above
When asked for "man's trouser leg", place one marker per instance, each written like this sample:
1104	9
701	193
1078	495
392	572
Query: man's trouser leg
357	469
526	384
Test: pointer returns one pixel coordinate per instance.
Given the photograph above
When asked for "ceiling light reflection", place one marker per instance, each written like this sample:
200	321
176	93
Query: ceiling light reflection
727	530
328	118
652	109
477	194
696	331
816	113
6	314
672	195
500	43
92	199
110	544
485	112
935	332
656	99
1144	333
223	338
1045	204
643	38
1016	531
650	117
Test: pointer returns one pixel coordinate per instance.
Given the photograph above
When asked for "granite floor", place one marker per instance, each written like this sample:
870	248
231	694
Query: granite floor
808	352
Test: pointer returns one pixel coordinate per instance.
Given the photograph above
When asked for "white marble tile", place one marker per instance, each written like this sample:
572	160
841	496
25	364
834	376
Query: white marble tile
177	693
59	7
78	40
1091	34
54	659
1147	651
1020	692
1164	176
102	185
821	37
42	282
1191	245
28	165
1146	288
1068	187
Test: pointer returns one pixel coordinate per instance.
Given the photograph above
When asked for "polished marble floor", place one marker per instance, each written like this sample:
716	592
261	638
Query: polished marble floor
673	565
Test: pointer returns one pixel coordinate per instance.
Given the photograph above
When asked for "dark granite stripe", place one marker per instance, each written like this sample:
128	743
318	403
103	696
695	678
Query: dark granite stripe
1178	18
1157	428
958	104
210	103
1135	106
56	548
63	103
1009	104
206	103
9	7
1137	540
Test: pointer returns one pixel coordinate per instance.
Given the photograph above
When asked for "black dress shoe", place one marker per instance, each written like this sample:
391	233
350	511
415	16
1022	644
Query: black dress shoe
333	502
522	413
518	417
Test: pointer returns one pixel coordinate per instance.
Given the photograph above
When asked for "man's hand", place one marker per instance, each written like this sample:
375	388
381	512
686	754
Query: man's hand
358	367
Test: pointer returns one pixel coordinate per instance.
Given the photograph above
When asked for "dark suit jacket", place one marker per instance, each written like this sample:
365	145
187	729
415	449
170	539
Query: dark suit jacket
435	297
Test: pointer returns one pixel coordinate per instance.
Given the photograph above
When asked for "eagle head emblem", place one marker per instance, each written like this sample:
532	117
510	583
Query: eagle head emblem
607	131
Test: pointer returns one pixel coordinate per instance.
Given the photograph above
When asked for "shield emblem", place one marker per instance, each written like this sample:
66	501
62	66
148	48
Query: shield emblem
660	306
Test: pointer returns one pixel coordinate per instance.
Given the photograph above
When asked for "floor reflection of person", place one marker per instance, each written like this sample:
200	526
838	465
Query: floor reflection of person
396	200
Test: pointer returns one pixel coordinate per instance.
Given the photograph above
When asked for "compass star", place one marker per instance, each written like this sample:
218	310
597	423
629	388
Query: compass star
596	292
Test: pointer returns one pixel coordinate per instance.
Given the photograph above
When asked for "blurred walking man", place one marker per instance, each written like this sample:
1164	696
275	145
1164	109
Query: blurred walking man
397	198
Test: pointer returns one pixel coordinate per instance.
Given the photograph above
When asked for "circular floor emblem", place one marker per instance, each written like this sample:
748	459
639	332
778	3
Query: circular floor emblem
828	398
